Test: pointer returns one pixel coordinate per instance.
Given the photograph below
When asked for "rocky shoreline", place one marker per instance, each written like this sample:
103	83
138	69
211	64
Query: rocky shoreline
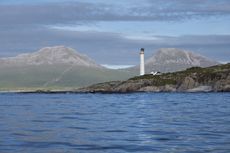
196	79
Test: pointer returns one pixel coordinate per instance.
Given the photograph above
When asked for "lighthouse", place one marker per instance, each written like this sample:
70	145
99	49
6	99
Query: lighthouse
142	62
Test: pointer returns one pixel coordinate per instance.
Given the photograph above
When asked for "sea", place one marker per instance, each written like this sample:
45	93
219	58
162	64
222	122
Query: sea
115	123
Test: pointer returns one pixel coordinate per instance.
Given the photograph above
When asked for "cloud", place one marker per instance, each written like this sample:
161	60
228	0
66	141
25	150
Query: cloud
78	12
117	66
195	40
190	8
109	48
51	13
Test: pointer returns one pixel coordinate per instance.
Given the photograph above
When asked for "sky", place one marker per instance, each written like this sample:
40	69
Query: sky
112	32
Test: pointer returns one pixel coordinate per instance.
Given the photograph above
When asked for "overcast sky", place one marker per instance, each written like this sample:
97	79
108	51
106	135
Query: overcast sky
112	32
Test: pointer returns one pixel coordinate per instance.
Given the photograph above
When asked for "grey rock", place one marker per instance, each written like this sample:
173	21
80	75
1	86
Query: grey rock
187	83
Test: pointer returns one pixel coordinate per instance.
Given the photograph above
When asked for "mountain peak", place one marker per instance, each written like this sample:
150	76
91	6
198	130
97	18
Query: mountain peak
169	50
58	54
50	56
173	59
55	50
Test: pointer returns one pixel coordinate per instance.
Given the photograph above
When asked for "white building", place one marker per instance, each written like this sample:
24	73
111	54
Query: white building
155	73
142	62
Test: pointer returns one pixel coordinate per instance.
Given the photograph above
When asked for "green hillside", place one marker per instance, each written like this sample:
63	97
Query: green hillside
57	77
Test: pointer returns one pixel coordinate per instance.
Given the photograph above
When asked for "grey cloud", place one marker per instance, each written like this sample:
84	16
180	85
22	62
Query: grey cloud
196	40
196	7
109	48
48	13
77	12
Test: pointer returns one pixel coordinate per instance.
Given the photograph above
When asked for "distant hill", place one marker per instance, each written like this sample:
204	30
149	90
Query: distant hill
56	67
51	56
173	59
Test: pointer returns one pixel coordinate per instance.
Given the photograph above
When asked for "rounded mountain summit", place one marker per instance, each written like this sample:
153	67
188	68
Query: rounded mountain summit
51	56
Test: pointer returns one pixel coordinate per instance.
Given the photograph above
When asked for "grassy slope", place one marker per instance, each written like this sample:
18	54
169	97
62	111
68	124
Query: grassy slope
43	77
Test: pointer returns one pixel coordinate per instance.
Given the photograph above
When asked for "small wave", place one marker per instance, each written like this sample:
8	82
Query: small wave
45	121
78	128
115	131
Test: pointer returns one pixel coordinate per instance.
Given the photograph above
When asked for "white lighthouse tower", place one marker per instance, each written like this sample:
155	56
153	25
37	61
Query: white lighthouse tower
142	62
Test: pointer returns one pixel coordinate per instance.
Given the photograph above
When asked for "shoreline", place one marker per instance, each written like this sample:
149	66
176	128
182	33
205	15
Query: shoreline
103	92
192	80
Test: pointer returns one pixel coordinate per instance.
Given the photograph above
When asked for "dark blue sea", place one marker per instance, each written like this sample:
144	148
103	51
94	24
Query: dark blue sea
115	123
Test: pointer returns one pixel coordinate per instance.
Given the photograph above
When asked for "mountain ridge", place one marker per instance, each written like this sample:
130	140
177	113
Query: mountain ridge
193	59
51	56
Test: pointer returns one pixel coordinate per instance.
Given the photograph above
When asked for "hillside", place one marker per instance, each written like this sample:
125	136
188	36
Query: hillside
173	59
196	79
53	68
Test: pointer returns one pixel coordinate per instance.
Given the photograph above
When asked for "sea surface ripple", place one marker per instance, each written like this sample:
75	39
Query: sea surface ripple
115	123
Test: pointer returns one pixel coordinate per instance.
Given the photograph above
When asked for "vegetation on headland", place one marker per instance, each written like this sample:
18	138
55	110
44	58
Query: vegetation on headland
195	79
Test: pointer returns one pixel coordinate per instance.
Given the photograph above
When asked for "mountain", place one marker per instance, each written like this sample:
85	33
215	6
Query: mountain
51	56
54	68
173	59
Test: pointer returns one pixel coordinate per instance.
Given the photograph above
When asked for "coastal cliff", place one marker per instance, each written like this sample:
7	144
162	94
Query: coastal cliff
195	79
